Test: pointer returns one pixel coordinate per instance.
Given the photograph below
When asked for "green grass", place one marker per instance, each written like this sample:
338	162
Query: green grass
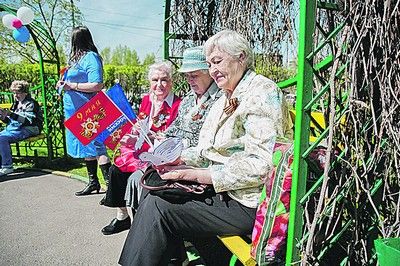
69	165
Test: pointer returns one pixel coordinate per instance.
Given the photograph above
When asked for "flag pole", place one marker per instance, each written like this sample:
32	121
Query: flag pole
146	138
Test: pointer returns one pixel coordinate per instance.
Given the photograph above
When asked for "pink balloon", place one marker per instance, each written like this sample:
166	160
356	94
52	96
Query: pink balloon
16	23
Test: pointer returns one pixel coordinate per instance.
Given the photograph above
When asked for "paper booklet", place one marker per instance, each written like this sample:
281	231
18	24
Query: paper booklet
164	152
143	132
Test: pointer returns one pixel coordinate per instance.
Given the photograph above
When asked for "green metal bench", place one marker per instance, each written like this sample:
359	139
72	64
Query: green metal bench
28	145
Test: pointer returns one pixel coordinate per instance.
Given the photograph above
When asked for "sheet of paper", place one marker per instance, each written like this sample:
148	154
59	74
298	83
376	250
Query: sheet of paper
166	152
143	130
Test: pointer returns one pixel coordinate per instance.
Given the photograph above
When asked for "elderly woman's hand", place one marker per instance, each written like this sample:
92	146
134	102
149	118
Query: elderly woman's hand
4	113
184	172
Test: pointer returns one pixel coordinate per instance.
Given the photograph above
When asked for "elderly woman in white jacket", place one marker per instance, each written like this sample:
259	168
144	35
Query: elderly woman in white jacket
234	153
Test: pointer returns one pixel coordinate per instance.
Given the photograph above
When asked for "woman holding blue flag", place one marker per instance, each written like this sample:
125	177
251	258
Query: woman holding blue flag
83	80
158	109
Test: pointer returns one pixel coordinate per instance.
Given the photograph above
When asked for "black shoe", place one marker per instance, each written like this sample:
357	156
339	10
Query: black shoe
102	201
117	226
89	189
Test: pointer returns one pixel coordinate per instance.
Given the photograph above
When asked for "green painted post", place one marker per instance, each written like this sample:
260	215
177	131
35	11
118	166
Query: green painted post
43	94
302	129
166	28
44	102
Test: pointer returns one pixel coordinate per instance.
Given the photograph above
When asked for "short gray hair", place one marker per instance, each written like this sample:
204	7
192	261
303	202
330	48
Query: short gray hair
19	86
164	66
231	42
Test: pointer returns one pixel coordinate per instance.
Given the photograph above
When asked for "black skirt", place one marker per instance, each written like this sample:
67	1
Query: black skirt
115	195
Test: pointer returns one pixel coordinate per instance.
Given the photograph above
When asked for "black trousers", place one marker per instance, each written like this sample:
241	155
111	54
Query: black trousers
115	195
159	227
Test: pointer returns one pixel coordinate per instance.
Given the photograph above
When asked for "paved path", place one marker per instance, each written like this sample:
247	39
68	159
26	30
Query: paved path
43	223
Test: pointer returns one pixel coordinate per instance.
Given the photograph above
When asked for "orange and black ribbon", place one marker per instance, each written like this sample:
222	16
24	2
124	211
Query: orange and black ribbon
233	104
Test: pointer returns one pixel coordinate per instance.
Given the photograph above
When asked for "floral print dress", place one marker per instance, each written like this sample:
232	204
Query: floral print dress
192	113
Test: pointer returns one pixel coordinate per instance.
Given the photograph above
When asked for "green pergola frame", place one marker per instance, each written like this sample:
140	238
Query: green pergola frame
53	127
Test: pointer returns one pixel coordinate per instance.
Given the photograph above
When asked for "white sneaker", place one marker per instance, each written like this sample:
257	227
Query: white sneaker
6	171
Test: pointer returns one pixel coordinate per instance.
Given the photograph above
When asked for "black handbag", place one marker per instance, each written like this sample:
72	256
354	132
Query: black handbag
175	191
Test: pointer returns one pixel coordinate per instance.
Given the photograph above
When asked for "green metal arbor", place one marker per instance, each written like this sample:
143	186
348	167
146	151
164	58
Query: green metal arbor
53	145
318	68
316	76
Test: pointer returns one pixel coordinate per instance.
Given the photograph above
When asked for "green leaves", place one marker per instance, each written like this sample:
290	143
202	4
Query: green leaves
132	78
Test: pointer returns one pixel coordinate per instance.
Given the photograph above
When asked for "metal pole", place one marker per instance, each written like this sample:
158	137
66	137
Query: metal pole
73	13
302	127
167	12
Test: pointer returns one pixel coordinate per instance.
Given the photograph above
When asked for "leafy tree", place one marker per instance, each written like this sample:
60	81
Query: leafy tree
130	57
106	55
149	59
117	56
62	55
270	65
123	55
132	78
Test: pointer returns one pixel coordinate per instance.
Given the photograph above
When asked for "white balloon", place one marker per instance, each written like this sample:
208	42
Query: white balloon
25	14
7	20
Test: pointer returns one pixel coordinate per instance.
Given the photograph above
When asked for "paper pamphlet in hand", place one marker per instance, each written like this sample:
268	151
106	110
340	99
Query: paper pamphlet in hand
144	130
166	152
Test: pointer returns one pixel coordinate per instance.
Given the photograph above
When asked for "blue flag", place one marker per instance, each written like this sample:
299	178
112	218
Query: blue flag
123	124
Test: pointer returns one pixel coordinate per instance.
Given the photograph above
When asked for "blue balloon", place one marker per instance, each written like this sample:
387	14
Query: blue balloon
21	35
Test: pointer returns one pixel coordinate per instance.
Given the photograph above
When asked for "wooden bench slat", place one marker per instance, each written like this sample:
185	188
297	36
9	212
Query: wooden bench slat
240	248
5	105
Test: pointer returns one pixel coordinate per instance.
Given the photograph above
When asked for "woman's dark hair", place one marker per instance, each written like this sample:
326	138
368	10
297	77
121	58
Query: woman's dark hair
81	43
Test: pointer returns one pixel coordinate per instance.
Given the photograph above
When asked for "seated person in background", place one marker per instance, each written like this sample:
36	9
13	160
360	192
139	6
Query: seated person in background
234	154
192	112
196	104
23	120
159	108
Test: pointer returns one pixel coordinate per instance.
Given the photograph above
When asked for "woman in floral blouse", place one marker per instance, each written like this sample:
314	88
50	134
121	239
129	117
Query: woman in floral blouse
197	103
158	110
234	153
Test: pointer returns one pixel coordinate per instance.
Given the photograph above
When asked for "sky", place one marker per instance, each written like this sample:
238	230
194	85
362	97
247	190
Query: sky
137	24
